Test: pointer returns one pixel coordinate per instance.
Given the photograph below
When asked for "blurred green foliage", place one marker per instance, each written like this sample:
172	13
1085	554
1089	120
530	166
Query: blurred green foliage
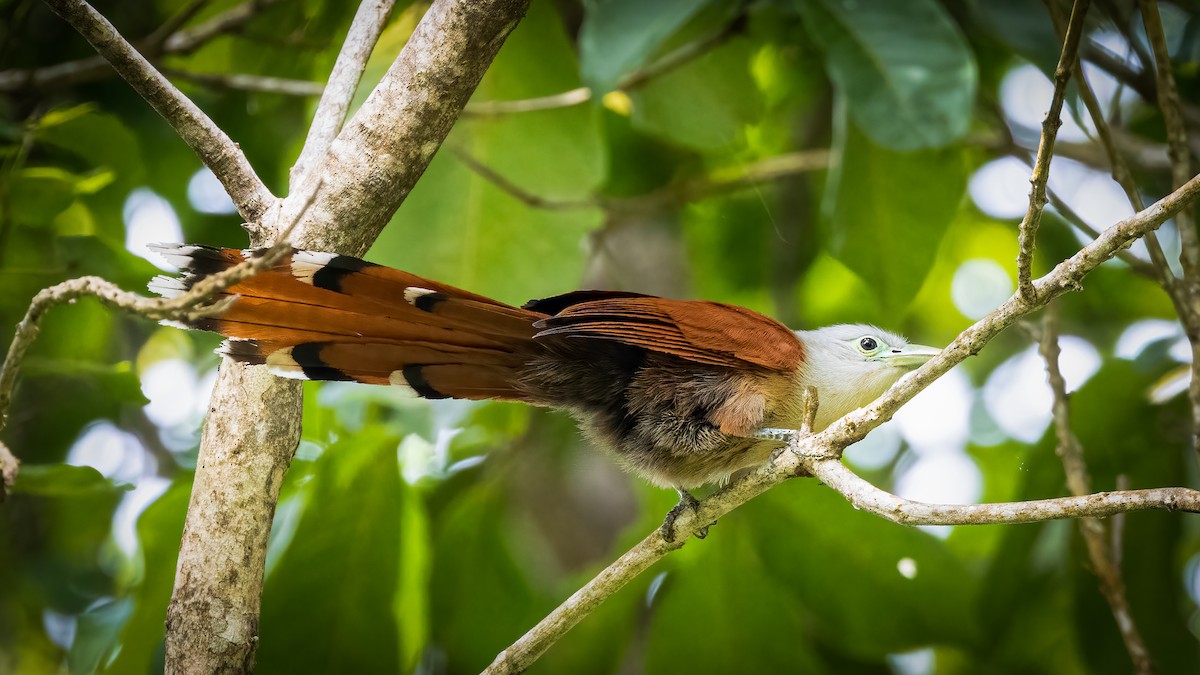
416	536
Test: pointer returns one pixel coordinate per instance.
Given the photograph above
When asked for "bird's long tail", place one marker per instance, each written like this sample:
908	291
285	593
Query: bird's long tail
320	316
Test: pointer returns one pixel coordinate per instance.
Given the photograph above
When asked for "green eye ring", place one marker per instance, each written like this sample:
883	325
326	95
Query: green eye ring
869	344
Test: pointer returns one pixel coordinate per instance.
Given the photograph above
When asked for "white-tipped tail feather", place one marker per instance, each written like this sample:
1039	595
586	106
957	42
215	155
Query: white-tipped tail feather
412	293
307	263
167	287
179	255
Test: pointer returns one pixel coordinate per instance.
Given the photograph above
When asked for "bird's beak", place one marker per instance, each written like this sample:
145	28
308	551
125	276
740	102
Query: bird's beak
908	356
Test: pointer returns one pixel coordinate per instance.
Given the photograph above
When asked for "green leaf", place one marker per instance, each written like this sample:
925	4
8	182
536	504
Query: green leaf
100	139
887	211
721	610
328	604
159	529
721	99
835	561
906	71
37	195
63	480
618	36
1024	25
481	598
97	631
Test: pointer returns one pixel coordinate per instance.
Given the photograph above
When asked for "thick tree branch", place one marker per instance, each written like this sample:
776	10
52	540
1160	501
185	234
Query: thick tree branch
418	101
1041	168
1101	549
253	425
212	145
819	454
368	24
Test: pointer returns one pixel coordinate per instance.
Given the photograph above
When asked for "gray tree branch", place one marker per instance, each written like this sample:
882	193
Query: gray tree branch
210	143
253	425
1027	232
1102	550
247	82
368	24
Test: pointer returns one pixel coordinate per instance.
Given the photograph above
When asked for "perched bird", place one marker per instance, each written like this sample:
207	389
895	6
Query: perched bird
681	392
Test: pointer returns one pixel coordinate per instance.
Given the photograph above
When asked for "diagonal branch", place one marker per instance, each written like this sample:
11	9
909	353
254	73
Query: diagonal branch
186	306
819	454
1101	549
369	20
1027	233
1119	167
634	80
169	38
213	146
1177	134
253	428
674	194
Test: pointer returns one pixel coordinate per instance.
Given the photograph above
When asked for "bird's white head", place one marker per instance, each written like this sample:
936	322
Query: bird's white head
852	364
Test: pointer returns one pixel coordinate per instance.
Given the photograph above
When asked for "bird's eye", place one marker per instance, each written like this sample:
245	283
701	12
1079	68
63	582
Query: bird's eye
868	344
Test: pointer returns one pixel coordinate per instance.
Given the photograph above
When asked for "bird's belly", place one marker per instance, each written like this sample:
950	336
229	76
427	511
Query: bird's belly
678	453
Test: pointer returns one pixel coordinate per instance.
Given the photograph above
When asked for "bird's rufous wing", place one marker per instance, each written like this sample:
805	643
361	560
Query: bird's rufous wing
703	332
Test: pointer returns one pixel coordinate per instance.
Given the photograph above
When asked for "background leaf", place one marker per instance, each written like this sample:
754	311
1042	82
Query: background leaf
618	36
907	89
886	212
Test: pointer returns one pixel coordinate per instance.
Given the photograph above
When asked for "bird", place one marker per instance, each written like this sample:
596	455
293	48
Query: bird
684	393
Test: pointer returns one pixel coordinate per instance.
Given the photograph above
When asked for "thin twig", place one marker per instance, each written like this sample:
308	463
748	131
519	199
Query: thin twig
188	306
232	20
682	192
1178	149
1027	233
1182	295
867	497
1177	135
519	193
817	454
1100	546
1116	161
177	42
155	41
1141	82
630	82
728	180
564	99
1135	263
247	82
213	146
369	20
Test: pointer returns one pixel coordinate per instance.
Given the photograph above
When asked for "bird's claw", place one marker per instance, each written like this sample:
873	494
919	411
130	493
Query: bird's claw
686	501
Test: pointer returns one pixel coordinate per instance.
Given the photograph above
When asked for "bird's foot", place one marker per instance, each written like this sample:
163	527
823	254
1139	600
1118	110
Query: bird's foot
686	501
772	434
